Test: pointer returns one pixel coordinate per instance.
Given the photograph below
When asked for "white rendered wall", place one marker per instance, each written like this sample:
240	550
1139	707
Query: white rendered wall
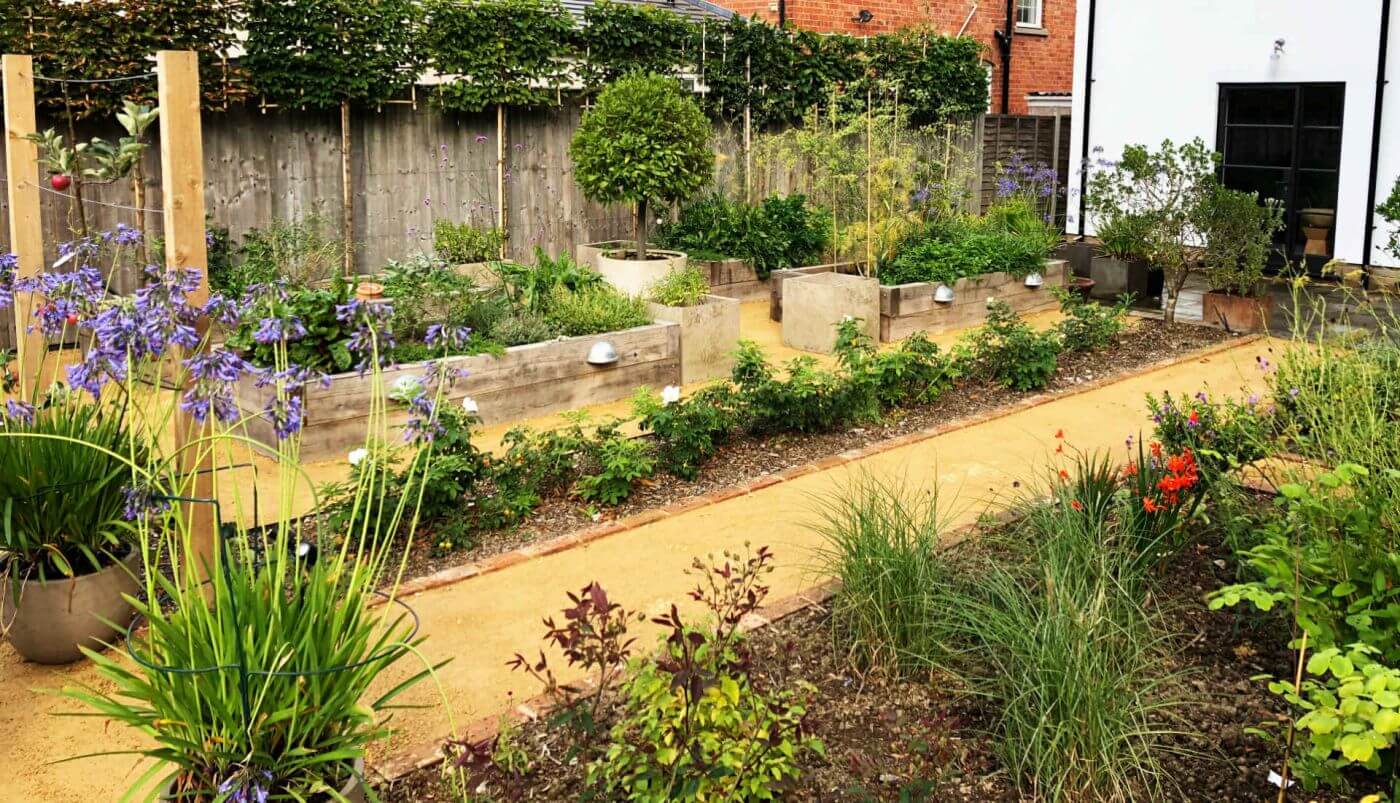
1158	69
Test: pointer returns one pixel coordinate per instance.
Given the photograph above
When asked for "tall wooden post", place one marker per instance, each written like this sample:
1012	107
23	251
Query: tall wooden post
501	220
347	194
26	236
182	183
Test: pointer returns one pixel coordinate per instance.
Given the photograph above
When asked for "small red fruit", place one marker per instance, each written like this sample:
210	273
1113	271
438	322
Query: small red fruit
60	181
72	319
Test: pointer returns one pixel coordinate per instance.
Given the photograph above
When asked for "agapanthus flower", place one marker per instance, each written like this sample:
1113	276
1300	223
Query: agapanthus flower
423	425
372	336
247	786
142	502
273	329
223	309
9	268
447	336
19	411
212	376
126	235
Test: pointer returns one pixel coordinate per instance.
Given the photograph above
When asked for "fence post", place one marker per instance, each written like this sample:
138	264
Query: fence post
182	184
26	235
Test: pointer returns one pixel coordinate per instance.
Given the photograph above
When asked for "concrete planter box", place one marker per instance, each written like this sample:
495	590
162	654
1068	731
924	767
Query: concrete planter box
483	274
635	276
777	277
709	335
1113	277
527	381
733	278
909	308
814	305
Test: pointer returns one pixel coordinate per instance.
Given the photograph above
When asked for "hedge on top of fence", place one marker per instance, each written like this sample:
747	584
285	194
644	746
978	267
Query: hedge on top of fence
316	53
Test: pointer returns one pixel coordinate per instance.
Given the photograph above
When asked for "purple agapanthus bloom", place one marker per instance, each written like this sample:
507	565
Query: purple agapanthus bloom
247	786
447	336
126	235
213	375
9	268
19	411
372	336
423	426
223	309
142	502
274	330
287	414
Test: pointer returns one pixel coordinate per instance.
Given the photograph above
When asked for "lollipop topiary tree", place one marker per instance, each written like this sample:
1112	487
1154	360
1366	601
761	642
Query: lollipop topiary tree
643	142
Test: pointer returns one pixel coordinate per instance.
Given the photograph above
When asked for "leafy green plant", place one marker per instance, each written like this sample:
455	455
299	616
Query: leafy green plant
643	142
462	243
693	726
1223	434
945	251
1239	233
689	431
1087	326
63	485
1389	209
614	463
593	311
1011	352
782	232
686	287
529	287
1350	712
324	340
915	371
1168	191
1123	235
299	251
521	328
808	399
620	39
497	52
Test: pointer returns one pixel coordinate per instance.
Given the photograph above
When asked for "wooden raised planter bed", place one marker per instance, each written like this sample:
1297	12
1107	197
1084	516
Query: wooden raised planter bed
909	308
733	278
527	381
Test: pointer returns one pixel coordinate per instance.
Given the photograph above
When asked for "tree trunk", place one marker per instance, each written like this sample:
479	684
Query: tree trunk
639	229
347	207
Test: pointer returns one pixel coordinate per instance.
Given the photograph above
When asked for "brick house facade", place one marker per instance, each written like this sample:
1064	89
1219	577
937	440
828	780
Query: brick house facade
1042	57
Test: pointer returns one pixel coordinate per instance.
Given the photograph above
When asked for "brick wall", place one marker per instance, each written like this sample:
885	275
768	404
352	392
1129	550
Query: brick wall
1040	62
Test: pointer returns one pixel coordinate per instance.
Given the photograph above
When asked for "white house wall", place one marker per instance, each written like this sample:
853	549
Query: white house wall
1158	67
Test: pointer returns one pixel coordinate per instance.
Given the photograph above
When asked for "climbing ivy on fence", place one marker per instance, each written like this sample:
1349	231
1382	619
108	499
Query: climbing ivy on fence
316	53
510	52
116	38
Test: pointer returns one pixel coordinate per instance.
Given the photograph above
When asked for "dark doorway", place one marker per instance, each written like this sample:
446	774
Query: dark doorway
1284	141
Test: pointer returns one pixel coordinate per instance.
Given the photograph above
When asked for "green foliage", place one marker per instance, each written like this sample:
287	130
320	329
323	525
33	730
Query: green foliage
939	77
530	287
808	399
499	52
462	243
594	310
1087	326
686	287
616	464
521	328
782	232
316	54
693	726
325	345
914	372
1389	209
1330	559
1351	712
62	482
689	431
644	141
945	251
424	291
1123	235
622	38
1009	351
300	251
1168	191
101	41
1223	435
1239	232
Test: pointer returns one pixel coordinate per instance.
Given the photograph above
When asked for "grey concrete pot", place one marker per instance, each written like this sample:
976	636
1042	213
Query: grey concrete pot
55	617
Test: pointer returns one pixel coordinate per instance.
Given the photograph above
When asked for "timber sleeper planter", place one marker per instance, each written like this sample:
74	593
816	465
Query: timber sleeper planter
709	335
733	278
526	381
916	307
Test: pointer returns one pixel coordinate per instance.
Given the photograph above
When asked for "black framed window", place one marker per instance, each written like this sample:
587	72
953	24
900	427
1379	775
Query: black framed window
1284	141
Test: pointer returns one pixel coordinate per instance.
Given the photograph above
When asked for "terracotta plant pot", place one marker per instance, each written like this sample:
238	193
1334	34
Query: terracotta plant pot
55	617
369	291
353	791
1237	313
1082	285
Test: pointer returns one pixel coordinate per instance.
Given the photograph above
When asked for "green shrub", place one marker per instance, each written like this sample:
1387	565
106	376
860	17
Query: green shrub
782	232
460	243
598	309
686	287
323	347
521	328
1223	435
529	286
614	464
1123	235
1239	234
644	141
809	399
1088	326
943	253
300	251
1009	351
424	291
687	432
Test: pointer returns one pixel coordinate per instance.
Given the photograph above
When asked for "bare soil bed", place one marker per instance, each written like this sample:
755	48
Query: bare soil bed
748	458
889	739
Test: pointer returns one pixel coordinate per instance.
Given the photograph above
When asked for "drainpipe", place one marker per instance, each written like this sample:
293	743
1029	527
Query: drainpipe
1084	124
1381	49
1004	42
782	13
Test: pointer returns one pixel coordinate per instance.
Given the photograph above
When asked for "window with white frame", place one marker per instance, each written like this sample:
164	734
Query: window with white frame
1028	13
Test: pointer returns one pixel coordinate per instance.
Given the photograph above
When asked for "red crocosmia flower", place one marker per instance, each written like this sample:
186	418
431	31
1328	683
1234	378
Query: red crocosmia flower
1130	470
1149	505
1194	418
1064	475
1156	449
1076	504
1059	433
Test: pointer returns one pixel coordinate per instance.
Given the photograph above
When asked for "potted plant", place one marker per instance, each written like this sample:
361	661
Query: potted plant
1119	267
1167	189
469	250
643	142
1239	233
709	323
66	551
1389	209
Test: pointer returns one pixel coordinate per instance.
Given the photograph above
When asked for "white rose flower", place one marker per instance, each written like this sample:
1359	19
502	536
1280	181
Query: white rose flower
469	404
357	456
670	394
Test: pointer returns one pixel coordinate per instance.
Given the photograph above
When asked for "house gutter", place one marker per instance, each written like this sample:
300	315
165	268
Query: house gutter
1381	53
1084	124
